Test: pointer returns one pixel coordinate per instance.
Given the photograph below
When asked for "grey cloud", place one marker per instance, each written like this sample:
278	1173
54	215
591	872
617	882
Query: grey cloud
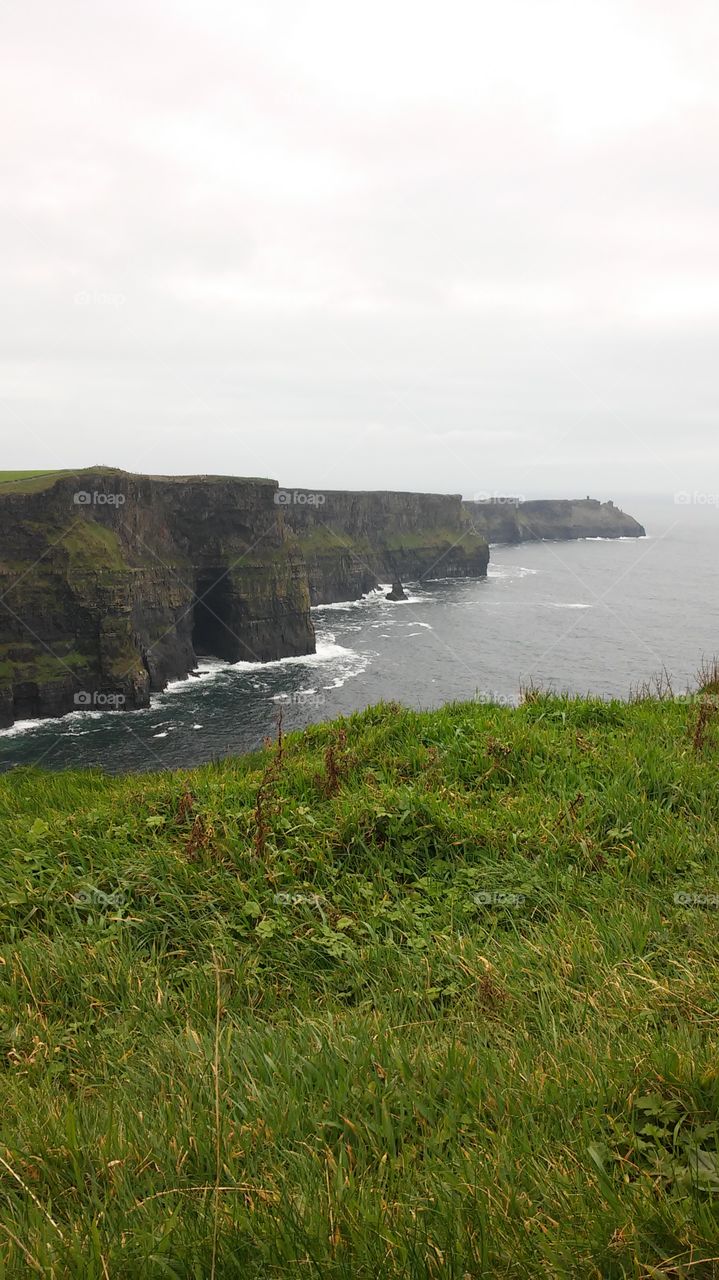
389	247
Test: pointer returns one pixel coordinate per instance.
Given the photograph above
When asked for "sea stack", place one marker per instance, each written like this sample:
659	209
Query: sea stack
398	592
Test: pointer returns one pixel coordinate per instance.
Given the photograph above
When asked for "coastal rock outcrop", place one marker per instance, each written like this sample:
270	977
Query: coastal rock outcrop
508	520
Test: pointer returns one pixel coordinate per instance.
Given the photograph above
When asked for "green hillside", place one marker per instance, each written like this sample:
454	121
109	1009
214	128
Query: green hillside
409	994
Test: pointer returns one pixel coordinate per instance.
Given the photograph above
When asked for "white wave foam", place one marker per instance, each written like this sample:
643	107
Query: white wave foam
206	671
27	726
509	571
372	597
212	668
351	663
24	726
326	651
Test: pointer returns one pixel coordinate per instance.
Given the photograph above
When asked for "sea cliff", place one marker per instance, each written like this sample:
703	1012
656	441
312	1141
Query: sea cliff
111	584
353	541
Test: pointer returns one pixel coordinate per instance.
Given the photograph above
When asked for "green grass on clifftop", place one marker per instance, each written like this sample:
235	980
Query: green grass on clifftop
37	481
28	481
387	1070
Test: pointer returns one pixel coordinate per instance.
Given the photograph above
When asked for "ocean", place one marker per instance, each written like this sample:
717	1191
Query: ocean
594	616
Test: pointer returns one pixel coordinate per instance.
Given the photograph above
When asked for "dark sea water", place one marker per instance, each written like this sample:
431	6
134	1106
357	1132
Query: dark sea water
591	616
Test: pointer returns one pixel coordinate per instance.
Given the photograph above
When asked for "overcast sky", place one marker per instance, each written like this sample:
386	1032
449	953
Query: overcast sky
459	246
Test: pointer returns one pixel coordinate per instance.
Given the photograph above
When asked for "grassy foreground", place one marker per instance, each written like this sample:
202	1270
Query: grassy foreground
256	1021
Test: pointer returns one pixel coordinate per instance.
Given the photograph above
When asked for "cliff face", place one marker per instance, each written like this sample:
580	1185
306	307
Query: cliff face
106	598
353	541
111	584
557	518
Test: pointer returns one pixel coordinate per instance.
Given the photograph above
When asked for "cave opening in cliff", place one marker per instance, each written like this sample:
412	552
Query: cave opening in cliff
212	634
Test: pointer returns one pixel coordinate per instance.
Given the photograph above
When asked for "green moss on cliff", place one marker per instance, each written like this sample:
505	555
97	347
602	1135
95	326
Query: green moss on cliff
19	665
427	538
322	538
93	546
